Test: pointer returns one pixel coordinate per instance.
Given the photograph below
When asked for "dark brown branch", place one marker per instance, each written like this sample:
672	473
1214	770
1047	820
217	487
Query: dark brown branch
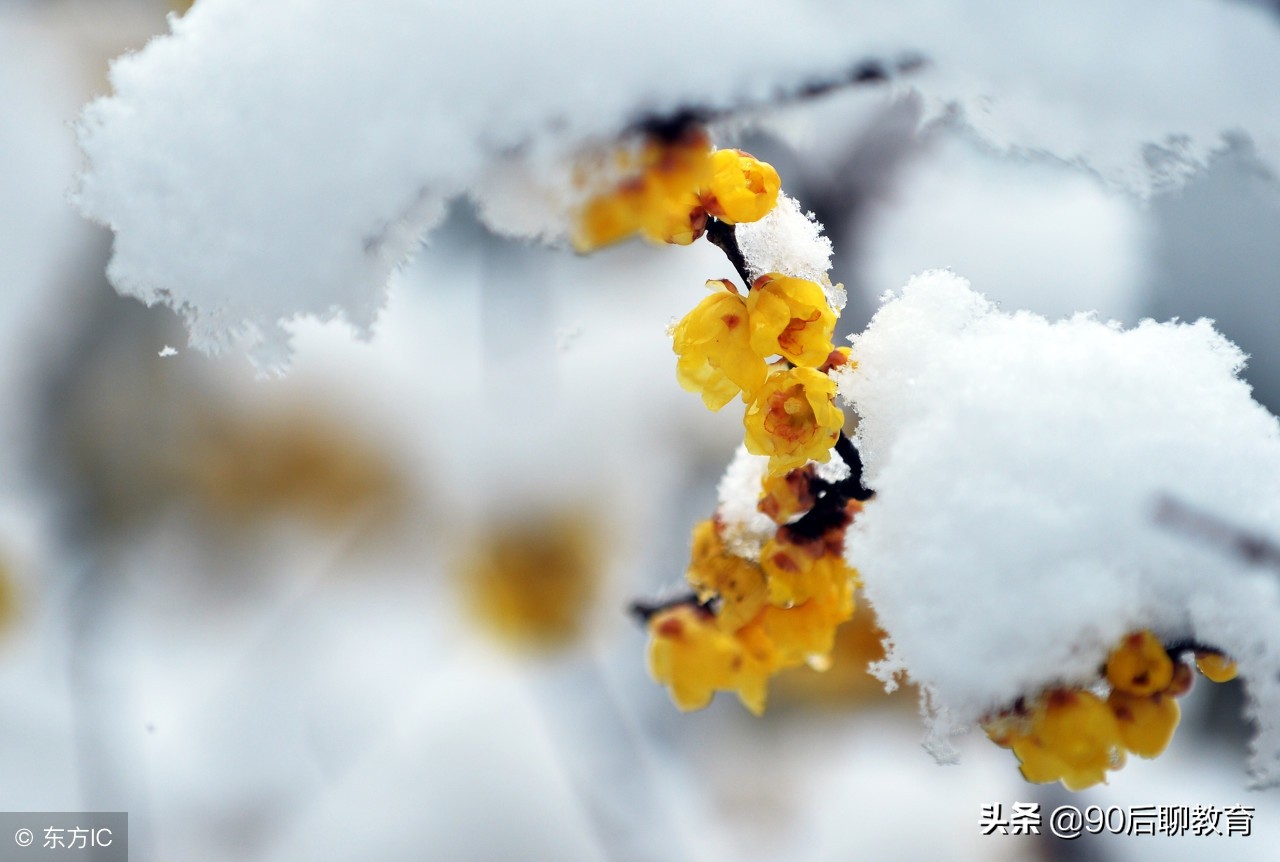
644	611
828	511
724	237
1249	547
672	126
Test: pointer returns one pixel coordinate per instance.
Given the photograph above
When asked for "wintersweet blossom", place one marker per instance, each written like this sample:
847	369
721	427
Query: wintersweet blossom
532	582
785	497
1146	723
797	573
657	196
790	317
1215	666
793	419
741	187
714	346
1140	665
715	573
1074	739
690	655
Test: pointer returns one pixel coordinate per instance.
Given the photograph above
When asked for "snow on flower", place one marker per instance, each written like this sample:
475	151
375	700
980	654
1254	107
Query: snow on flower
1017	465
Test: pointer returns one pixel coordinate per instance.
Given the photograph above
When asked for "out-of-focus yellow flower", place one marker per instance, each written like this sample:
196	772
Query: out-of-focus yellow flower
694	658
610	217
783	497
1140	665
1146	723
714	572
659	198
1074	739
678	219
532	582
680	167
847	682
714	348
8	597
793	419
741	188
796	574
806	632
1215	666
790	317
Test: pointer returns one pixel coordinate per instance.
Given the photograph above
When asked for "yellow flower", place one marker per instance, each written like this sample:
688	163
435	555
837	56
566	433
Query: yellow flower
689	654
797	573
760	661
807	631
660	199
1146	723
714	347
1216	666
791	317
1140	665
784	497
678	219
533	582
741	188
610	217
713	571
674	169
1074	739
793	419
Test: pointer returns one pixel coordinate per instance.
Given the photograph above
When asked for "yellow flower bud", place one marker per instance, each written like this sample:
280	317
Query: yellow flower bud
741	188
1074	738
784	497
1146	723
714	572
1140	665
1215	666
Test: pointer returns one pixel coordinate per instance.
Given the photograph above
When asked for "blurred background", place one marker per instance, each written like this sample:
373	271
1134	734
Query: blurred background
375	609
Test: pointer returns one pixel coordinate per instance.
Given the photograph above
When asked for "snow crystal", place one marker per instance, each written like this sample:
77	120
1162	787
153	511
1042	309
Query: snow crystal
1018	465
745	528
833	470
786	241
274	158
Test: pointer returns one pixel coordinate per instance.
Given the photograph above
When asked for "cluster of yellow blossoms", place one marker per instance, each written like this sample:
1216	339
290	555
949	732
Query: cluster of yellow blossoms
773	346
753	620
725	345
1074	736
671	187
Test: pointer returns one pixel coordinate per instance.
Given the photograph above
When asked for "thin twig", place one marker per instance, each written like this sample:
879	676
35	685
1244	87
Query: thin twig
724	237
1249	547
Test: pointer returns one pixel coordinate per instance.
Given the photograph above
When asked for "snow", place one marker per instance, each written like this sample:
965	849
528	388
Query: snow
787	241
1017	465
256	165
745	529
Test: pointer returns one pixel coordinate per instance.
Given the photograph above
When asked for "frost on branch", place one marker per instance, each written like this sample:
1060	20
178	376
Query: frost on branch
1018	466
272	158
